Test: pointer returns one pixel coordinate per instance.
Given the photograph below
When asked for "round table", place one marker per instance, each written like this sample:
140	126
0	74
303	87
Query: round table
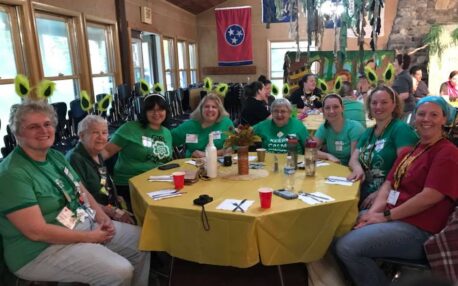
291	231
313	121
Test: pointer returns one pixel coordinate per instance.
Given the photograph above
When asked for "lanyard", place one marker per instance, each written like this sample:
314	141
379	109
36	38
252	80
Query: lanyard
406	162
72	204
367	162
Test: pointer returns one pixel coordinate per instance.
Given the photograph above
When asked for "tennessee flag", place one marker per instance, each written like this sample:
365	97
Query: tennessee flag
233	30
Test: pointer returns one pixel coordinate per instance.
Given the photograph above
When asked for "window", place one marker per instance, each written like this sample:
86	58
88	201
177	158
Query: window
182	64
146	57
58	53
101	57
192	63
169	63
277	58
11	55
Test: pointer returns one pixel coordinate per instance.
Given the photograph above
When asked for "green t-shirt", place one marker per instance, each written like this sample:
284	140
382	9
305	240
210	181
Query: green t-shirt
142	149
354	110
191	134
274	138
87	169
339	144
27	185
381	156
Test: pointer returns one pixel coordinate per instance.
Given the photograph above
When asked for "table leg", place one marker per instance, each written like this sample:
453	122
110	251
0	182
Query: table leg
172	261
280	274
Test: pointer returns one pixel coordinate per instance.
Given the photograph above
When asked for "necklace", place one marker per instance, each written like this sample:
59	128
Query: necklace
366	161
406	162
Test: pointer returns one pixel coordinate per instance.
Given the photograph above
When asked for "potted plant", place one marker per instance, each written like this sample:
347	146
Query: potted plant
241	138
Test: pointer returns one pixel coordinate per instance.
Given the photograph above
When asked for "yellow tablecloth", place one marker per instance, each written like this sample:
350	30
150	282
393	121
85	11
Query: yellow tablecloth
313	121
291	231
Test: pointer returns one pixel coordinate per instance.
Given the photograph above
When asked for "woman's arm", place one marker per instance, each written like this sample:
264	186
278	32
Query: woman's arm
355	166
30	222
323	155
110	150
418	203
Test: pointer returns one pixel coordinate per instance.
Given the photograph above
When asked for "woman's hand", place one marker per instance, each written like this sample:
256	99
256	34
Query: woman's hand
101	234
370	218
332	158
369	200
356	174
198	154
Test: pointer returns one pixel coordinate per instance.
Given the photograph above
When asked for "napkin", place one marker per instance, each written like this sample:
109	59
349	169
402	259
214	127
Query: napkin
191	162
164	178
250	158
335	180
229	205
315	198
163	194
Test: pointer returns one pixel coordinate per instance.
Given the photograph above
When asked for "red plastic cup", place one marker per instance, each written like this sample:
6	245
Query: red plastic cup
178	180
265	196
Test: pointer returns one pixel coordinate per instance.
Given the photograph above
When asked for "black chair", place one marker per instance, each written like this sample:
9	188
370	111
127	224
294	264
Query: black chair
10	142
75	115
61	128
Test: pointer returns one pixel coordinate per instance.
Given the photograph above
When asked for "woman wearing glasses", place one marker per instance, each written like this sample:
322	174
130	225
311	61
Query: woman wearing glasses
51	227
414	202
142	145
379	146
274	132
337	133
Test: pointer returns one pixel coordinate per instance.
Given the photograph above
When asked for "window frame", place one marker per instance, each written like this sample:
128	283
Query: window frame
173	66
196	68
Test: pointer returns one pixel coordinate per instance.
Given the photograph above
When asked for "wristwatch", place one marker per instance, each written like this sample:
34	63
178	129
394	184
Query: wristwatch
387	215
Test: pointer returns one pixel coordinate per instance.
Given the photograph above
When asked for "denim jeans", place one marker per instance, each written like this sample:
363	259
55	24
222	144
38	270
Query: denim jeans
357	249
118	262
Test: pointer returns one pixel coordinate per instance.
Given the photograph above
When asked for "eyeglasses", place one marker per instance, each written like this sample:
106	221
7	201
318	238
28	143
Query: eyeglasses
280	111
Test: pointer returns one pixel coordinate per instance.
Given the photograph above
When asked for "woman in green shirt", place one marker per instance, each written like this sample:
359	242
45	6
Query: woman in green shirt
379	146
87	161
274	132
337	133
142	145
209	117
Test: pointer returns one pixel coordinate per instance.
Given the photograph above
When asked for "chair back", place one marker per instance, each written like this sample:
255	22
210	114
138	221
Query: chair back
75	115
442	249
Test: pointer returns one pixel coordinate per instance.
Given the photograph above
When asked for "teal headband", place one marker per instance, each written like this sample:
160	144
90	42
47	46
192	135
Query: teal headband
449	111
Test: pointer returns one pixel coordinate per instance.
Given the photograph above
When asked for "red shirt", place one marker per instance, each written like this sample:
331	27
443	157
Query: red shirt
437	168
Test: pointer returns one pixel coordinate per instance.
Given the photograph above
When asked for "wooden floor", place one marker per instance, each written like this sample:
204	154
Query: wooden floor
189	273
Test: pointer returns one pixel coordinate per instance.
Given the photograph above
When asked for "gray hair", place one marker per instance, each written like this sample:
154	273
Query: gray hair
30	106
281	102
197	114
88	121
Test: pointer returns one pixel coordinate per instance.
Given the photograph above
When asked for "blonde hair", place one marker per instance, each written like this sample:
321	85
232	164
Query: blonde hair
197	114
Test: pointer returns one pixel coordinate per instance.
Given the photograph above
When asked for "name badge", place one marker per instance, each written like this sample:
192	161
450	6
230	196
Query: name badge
146	142
379	144
192	138
393	197
339	146
216	135
67	218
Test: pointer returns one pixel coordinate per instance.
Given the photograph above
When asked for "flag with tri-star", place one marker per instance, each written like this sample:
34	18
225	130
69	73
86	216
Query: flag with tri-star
233	30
